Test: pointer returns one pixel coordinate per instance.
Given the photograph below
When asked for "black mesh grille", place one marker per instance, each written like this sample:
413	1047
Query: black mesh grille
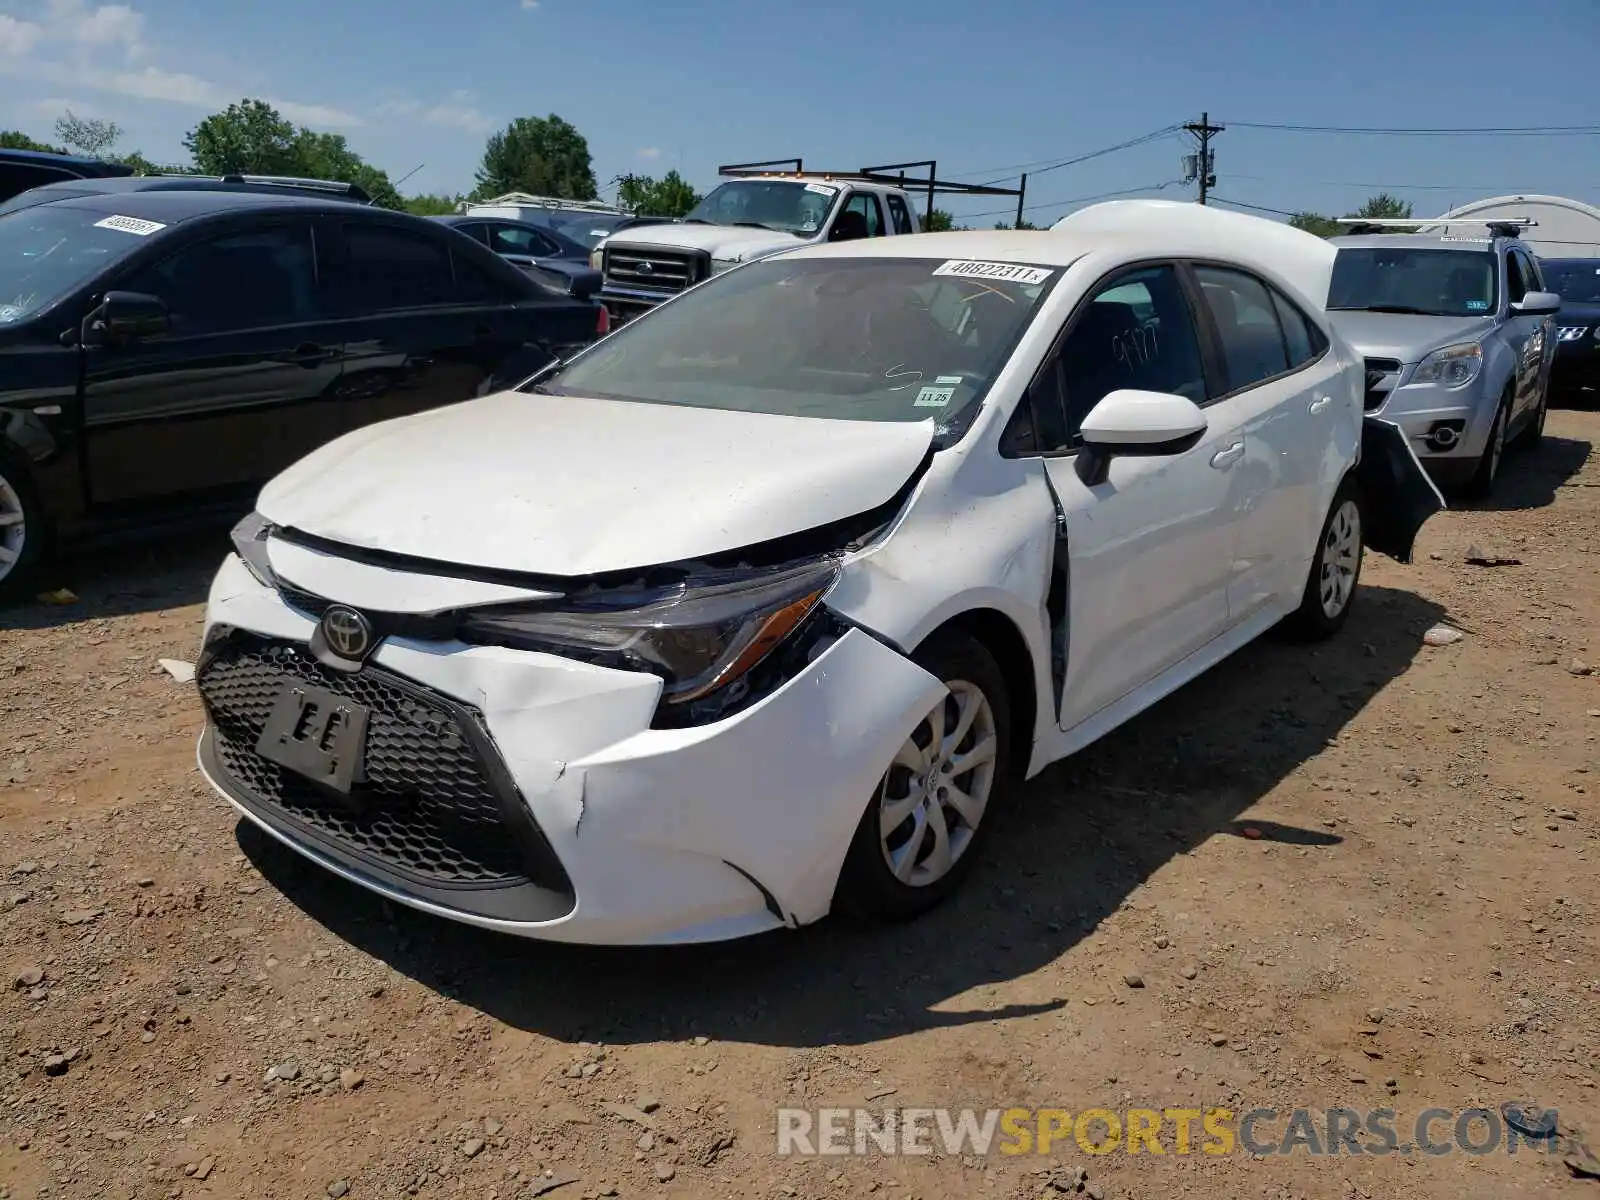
429	805
1378	369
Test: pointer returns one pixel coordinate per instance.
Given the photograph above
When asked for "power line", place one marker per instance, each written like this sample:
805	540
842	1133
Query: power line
1050	164
1152	136
1149	187
1398	187
1476	131
1257	207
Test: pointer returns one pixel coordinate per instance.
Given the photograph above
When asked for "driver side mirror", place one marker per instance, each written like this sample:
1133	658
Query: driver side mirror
1537	304
1131	423
123	316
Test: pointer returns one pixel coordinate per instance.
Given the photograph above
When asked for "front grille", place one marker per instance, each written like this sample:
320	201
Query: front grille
668	271
429	808
1381	373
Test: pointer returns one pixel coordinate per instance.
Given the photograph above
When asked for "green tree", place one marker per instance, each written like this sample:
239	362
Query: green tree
253	138
1323	227
328	156
1025	224
938	221
431	205
250	137
89	136
546	156
669	196
15	139
1384	207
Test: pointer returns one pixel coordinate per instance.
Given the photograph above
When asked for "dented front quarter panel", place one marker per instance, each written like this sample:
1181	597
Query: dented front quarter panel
978	534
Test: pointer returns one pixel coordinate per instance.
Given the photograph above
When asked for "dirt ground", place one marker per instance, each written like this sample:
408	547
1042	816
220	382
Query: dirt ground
1362	876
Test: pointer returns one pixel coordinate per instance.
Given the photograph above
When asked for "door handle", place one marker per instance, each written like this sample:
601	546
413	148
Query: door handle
309	354
1223	459
1320	403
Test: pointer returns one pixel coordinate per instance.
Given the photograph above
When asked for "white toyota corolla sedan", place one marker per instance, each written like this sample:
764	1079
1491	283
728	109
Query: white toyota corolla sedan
765	604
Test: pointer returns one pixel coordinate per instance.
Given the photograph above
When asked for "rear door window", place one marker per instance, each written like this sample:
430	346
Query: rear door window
900	215
387	268
1247	325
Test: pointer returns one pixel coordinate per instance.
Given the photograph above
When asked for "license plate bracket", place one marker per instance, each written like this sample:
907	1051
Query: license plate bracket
317	734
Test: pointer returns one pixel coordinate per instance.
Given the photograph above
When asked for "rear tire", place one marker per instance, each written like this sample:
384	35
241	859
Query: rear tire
917	841
22	526
1481	485
1335	569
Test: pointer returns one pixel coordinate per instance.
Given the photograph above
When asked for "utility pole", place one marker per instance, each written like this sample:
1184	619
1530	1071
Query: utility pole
1205	159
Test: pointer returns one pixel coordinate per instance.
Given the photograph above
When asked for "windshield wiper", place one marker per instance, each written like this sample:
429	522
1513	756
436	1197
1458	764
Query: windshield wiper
696	221
760	225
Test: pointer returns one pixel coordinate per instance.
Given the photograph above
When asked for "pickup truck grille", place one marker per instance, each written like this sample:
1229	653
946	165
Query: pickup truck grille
667	271
1381	373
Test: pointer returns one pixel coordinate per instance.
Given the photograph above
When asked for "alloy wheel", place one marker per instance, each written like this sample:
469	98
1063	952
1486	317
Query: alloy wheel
934	795
1341	555
13	527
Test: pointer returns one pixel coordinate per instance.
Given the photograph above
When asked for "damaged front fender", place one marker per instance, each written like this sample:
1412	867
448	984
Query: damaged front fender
1398	495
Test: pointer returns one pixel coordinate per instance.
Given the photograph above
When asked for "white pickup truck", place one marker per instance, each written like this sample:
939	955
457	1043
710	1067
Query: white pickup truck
740	220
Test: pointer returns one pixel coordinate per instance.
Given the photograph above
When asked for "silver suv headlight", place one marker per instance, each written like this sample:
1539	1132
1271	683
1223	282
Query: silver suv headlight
1451	366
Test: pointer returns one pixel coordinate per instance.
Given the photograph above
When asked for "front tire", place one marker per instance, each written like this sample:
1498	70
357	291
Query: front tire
22	526
1335	569
1532	435
1481	485
932	811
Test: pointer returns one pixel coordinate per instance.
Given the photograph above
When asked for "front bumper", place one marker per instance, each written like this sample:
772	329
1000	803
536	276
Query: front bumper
1577	365
1446	427
611	832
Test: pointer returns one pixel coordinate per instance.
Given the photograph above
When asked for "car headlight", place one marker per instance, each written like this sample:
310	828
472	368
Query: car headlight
719	265
1451	366
597	259
698	638
250	544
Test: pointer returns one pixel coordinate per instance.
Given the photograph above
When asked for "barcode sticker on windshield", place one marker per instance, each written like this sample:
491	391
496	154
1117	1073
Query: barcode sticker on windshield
134	225
1010	272
821	189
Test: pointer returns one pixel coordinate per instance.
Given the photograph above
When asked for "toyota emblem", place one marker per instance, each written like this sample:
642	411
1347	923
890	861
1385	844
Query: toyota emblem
347	633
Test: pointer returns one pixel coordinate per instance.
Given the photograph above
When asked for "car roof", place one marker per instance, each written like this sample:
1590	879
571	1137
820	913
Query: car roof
1120	232
171	206
51	158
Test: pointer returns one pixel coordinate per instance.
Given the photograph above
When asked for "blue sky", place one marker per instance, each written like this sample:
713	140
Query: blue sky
655	84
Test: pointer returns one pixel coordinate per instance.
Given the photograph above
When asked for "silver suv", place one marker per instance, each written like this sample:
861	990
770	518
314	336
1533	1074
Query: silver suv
1458	336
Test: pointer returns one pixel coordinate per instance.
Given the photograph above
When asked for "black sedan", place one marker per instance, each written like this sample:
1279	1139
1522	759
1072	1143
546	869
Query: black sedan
546	254
1576	370
163	353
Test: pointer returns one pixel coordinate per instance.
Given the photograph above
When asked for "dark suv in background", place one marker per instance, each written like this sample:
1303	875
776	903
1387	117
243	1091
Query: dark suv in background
24	169
165	352
1575	374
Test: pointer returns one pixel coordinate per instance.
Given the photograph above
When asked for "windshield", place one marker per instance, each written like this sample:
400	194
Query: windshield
589	231
1576	281
1434	283
882	339
48	250
778	204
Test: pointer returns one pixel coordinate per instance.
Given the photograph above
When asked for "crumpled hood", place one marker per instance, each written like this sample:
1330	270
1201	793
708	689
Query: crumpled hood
571	486
1403	336
722	241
